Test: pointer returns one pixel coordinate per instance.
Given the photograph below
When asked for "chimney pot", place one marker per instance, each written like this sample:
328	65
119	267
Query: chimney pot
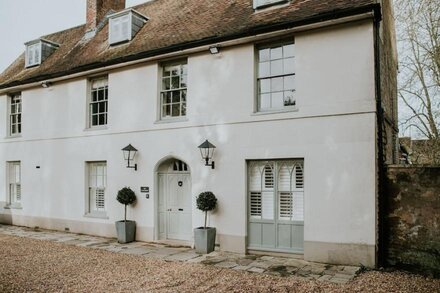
98	9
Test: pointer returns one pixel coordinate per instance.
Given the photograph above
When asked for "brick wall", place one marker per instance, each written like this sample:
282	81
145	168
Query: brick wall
413	218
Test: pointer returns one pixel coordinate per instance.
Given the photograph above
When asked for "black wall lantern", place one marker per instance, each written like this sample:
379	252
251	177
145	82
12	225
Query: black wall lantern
129	154
207	151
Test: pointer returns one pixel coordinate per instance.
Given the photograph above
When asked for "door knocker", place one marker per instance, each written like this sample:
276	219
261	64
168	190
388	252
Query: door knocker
180	183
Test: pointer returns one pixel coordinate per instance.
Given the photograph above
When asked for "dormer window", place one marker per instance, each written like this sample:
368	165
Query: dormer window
260	4
124	25
33	54
37	51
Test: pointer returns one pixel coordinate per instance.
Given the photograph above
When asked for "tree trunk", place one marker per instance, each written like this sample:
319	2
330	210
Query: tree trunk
125	214
206	216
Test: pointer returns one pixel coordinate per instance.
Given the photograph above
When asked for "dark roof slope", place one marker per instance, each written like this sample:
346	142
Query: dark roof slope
175	25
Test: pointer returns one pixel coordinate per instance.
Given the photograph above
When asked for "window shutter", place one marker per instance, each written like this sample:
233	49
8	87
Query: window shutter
99	198
18	192
255	204
268	176
286	205
298	195
299	178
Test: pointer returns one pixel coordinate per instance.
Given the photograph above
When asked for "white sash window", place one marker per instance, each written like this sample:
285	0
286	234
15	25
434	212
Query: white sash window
97	186
14	178
98	106
15	115
174	89
276	77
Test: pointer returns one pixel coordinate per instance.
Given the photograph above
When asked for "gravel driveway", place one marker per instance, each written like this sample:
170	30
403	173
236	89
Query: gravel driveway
43	266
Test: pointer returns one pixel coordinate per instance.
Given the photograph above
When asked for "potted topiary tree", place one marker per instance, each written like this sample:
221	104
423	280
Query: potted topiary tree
205	236
126	230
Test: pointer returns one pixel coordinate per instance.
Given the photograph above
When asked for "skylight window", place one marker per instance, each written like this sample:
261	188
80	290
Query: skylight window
37	51
259	4
124	25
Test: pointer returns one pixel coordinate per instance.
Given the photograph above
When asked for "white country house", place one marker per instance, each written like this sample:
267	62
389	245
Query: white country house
291	93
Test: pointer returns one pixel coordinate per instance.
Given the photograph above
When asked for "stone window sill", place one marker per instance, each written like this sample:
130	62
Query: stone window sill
96	128
281	111
171	120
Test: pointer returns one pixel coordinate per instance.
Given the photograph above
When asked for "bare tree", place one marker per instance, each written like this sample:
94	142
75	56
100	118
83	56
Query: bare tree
419	49
418	34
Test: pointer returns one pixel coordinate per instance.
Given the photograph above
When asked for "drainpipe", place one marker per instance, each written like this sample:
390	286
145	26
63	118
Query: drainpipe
380	258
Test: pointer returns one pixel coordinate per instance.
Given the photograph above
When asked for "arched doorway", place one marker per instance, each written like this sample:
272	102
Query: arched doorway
174	200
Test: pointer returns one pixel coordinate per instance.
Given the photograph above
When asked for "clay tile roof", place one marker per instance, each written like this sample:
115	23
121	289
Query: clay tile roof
175	25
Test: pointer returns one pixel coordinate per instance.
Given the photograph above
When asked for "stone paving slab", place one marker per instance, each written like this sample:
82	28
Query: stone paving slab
272	265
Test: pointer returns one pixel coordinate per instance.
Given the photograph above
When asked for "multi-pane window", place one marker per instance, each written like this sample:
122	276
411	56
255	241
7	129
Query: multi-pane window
14	183
276	190
15	114
98	106
120	29
276	77
173	90
97	185
33	54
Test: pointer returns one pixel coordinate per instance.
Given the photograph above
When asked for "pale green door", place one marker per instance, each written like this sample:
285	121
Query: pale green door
276	206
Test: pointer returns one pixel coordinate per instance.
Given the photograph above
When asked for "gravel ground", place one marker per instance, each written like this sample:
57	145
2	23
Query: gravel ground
42	266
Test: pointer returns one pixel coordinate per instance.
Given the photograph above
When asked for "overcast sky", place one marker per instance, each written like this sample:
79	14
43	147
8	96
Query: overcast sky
25	20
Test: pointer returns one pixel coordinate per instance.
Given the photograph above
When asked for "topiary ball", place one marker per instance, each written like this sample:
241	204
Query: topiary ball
206	201
126	196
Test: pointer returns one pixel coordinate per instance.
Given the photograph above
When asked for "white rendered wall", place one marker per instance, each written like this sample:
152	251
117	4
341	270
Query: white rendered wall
333	130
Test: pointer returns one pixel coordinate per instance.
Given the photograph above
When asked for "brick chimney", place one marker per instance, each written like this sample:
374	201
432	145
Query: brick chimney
98	9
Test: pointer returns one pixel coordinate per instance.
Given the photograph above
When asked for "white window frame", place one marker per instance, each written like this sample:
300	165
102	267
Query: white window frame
116	27
97	107
267	77
172	96
15	108
14	195
96	185
31	50
260	4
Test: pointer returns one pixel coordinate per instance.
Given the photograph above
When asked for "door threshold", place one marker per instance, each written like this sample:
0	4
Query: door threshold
175	243
276	254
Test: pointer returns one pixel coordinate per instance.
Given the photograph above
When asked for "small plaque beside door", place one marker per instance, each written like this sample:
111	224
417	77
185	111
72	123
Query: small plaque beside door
146	189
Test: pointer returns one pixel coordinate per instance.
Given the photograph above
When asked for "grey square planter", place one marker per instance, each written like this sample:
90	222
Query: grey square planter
204	239
126	231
